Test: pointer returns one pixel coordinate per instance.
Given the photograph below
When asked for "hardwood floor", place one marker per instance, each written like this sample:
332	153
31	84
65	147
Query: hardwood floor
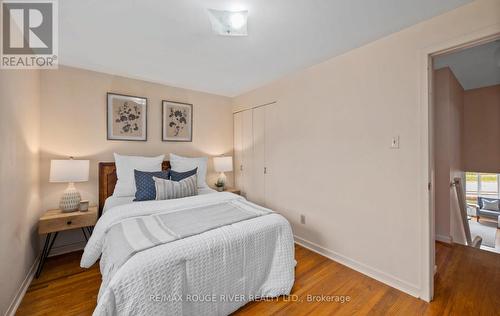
467	283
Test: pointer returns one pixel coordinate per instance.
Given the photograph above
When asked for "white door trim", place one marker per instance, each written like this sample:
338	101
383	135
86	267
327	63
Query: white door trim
428	236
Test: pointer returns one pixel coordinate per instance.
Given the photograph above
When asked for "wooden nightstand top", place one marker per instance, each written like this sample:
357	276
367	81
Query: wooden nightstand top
56	220
233	190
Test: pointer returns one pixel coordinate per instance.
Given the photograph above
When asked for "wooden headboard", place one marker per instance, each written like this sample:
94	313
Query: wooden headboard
107	180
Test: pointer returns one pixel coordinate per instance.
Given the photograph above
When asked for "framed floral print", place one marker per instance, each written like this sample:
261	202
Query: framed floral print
127	117
177	121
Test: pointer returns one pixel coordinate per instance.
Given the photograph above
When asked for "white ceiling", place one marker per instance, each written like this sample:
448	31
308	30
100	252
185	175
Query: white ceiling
474	67
171	41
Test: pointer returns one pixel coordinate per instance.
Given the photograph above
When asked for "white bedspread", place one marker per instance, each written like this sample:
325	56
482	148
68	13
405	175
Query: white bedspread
212	273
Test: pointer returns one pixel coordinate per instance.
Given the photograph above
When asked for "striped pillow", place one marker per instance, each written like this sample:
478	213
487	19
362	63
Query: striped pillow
168	189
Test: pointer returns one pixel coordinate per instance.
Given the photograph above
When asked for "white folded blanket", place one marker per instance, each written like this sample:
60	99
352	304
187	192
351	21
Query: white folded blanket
143	232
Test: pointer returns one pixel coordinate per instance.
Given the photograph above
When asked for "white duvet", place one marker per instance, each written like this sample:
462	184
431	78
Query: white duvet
212	273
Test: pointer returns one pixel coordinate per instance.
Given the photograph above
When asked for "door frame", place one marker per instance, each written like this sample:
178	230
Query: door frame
426	181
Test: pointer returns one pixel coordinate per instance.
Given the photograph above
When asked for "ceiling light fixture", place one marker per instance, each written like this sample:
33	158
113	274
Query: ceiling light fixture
229	23
237	20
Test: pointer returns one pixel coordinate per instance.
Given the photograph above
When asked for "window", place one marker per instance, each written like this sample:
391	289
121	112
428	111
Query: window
481	184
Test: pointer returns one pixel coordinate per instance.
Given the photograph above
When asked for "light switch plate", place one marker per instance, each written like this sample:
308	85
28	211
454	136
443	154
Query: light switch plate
395	142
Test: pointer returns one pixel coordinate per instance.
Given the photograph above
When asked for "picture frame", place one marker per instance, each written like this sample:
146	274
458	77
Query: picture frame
126	117
177	121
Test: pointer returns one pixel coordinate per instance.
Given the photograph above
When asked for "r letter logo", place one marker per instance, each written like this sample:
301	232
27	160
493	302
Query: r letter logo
29	34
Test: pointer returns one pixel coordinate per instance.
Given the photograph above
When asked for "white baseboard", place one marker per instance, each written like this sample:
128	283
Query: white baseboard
14	305
445	239
376	274
60	250
55	251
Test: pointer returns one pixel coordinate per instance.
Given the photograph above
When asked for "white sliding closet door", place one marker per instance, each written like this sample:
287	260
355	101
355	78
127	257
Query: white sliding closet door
257	153
247	152
275	158
238	150
257	194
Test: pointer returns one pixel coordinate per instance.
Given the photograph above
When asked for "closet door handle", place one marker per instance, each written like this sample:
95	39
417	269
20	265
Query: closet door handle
241	167
265	170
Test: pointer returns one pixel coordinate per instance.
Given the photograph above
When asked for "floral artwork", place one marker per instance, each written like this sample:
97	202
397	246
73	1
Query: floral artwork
126	117
177	121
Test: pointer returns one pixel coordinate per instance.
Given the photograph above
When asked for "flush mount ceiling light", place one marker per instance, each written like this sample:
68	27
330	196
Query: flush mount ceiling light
229	23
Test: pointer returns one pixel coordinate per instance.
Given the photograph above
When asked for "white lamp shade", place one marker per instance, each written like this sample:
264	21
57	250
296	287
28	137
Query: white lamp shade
223	164
69	170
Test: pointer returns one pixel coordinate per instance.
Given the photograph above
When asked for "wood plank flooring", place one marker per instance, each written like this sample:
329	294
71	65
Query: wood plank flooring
467	283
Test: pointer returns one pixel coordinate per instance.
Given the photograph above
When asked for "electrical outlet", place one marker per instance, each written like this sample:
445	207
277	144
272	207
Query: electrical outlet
395	142
302	219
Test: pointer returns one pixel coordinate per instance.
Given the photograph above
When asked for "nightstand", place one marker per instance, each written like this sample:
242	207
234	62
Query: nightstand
55	221
233	190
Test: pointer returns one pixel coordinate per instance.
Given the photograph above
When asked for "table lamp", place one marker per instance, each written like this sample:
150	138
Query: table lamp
69	171
222	164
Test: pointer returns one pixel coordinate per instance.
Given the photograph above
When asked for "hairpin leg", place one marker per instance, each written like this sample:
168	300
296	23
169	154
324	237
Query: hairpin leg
45	252
89	230
85	234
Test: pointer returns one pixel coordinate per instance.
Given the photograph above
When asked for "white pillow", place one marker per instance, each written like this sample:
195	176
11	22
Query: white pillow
125	165
183	164
491	205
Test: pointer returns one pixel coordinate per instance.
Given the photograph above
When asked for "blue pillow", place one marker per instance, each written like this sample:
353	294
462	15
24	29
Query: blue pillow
178	176
145	185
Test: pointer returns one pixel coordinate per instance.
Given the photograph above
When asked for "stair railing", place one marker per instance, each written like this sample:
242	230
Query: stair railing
462	202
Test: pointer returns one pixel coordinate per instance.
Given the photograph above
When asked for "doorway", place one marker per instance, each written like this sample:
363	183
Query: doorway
459	134
466	124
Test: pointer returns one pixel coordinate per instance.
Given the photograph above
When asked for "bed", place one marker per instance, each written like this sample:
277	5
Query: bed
225	253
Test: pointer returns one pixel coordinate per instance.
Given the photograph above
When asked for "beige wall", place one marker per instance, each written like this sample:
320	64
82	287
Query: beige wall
73	123
482	129
448	162
60	113
19	196
456	158
336	122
